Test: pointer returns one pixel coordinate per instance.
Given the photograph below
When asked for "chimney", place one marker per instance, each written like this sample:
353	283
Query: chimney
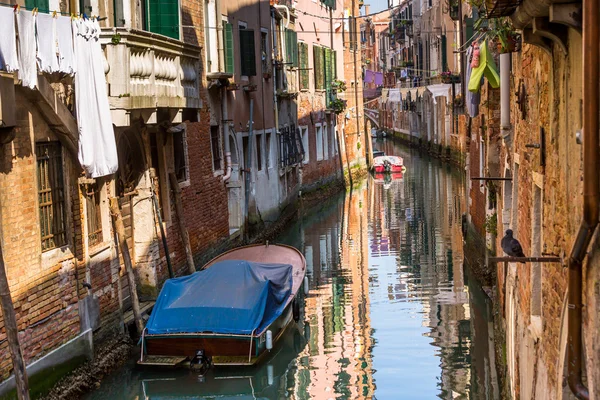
367	9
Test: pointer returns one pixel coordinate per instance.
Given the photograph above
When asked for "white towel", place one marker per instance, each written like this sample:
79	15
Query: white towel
64	36
27	42
46	43
97	146
8	41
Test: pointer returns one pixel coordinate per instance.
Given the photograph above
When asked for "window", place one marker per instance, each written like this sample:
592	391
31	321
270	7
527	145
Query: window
304	133
228	44
215	144
93	216
328	67
248	53
291	48
259	152
264	50
290	146
210	23
271	158
318	65
325	142
162	17
319	142
303	62
51	195
352	33
334	140
42	5
180	156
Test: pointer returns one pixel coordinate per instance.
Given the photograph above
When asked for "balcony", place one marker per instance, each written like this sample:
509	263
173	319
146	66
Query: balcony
148	71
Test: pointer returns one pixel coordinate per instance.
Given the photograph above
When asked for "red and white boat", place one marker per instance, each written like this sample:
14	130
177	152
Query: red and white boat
388	164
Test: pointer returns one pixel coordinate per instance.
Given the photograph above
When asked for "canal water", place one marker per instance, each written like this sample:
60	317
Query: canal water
392	312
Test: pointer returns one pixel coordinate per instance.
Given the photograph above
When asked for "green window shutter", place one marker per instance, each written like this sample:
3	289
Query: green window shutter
303	56
295	48
318	66
469	31
163	17
328	70
42	5
291	48
444	55
228	36
334	57
248	52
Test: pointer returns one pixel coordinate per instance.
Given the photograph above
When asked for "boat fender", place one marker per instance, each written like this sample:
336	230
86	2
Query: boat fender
269	340
270	374
296	310
306	288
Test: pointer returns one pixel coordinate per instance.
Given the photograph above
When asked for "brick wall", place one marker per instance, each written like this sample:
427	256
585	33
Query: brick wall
44	291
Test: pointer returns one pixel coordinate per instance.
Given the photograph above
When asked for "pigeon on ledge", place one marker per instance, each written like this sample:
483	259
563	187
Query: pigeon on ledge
511	246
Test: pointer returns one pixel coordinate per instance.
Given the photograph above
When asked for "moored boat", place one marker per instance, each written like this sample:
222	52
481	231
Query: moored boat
231	312
385	164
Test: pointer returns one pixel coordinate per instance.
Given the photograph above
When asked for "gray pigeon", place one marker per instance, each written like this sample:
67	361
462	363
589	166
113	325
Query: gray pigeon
511	246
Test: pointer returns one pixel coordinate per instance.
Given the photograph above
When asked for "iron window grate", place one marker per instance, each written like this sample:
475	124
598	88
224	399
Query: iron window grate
51	195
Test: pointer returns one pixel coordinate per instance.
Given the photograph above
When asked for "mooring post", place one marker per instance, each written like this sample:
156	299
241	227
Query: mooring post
180	219
117	218
10	323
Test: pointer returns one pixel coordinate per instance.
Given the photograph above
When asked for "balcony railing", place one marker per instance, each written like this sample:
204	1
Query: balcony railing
148	71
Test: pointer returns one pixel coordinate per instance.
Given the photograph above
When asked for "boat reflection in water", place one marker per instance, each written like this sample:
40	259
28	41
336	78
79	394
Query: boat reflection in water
263	381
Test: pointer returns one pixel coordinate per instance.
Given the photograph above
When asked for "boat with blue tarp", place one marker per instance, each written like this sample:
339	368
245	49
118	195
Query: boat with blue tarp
231	312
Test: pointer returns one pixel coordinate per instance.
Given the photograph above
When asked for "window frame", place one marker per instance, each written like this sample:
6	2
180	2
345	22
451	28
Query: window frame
65	194
319	141
219	149
186	161
244	72
305	143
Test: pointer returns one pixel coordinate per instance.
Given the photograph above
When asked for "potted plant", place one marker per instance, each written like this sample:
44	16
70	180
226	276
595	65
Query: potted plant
504	35
338	85
368	61
449	77
337	105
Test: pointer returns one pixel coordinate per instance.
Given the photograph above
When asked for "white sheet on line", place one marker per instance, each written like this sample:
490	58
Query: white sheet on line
439	90
27	42
97	147
9	61
64	36
46	43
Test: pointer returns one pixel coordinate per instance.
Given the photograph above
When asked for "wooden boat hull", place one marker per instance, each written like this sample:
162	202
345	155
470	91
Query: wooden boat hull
229	349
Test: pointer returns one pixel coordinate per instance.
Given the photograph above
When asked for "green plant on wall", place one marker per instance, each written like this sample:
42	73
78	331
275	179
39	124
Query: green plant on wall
491	224
337	105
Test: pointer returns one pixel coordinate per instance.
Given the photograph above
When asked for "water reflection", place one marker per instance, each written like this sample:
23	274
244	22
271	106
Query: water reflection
391	313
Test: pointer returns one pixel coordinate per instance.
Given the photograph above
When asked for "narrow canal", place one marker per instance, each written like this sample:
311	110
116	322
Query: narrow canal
391	314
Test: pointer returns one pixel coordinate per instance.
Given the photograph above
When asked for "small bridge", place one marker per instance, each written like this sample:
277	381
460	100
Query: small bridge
373	116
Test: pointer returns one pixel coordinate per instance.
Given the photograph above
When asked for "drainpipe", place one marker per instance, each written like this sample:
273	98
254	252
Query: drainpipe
274	57
505	94
591	197
225	123
287	12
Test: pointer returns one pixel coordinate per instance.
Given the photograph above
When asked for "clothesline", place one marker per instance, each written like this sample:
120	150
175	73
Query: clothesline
53	12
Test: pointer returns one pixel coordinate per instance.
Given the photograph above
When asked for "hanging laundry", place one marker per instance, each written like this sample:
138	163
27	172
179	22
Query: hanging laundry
471	98
439	90
64	37
97	147
46	43
487	67
27	42
9	61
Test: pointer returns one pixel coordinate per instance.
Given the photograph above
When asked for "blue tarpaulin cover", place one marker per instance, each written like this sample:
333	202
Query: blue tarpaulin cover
230	297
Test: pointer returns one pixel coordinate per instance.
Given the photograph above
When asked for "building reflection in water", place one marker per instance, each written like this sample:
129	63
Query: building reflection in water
391	311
